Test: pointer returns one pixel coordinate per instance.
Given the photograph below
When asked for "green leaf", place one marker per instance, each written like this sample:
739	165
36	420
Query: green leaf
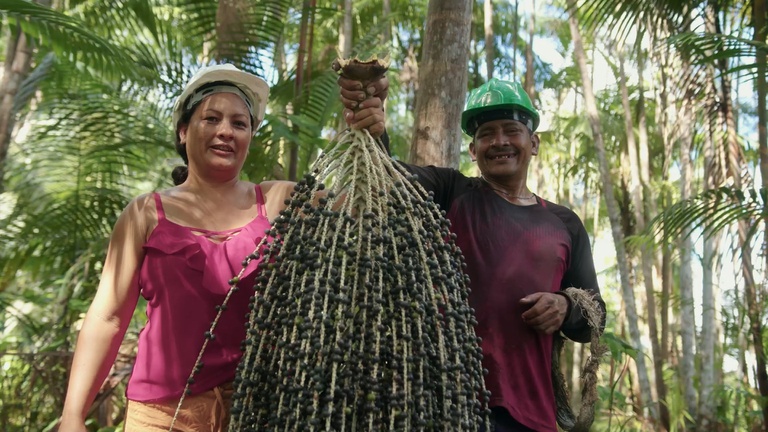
618	346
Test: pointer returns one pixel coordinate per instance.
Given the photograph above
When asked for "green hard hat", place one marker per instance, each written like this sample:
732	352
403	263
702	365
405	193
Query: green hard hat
495	100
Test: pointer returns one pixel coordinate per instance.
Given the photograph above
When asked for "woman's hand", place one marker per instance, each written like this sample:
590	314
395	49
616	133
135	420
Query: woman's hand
72	424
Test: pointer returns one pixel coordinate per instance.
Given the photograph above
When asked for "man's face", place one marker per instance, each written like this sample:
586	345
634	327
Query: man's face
503	149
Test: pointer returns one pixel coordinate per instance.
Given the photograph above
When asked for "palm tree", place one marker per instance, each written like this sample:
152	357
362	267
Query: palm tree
440	100
613	208
699	49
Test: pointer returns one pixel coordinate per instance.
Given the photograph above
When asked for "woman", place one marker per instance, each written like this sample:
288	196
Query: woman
178	248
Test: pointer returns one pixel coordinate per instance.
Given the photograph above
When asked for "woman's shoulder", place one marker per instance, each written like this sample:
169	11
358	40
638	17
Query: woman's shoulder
276	183
277	188
138	217
141	212
140	205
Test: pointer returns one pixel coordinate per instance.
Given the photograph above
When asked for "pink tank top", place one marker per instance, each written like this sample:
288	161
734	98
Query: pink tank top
183	277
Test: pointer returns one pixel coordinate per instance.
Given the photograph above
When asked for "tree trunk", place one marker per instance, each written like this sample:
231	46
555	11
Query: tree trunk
639	170
687	319
579	352
743	378
759	12
231	34
642	140
281	65
666	293
489	50
345	35
661	58
710	271
345	41
386	16
515	23
311	44
713	176
635	190
613	210
301	68
530	84
409	78
18	60
754	312
652	278
443	84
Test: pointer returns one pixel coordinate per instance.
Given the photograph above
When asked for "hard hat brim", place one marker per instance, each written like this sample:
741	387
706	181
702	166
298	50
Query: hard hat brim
467	116
255	88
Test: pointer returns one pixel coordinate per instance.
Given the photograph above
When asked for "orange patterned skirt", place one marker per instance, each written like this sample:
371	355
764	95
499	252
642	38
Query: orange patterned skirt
204	412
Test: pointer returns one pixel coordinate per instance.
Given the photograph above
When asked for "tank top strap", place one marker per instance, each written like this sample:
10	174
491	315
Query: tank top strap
259	200
159	207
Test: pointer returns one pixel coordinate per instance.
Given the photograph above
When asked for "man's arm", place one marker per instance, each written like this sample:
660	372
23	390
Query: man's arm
363	108
581	274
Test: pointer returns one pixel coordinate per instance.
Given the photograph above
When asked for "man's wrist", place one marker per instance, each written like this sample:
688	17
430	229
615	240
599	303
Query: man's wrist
568	301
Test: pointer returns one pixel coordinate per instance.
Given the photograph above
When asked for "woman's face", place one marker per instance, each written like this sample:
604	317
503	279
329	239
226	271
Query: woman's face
217	136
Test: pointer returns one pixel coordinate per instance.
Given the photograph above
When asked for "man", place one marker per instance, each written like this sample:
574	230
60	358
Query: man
521	251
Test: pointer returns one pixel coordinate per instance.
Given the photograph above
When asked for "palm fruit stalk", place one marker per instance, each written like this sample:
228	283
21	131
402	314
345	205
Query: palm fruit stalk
360	318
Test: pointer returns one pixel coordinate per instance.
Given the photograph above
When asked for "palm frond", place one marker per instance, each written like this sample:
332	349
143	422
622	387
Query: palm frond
708	48
708	213
32	82
70	39
619	17
90	149
248	42
323	101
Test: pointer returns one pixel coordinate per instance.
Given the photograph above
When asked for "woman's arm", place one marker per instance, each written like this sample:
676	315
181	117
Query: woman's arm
108	316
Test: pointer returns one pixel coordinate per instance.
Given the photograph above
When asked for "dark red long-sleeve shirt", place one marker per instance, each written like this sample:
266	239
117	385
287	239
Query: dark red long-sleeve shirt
512	251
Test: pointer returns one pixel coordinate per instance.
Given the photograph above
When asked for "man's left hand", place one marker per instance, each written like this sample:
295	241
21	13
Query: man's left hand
546	311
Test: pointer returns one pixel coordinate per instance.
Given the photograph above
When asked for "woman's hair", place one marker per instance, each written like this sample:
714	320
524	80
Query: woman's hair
180	173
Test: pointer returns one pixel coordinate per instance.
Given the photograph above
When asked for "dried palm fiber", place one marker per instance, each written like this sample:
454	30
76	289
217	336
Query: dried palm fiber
360	319
565	416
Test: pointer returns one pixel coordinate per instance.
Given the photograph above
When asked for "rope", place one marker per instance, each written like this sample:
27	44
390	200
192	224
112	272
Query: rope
566	418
